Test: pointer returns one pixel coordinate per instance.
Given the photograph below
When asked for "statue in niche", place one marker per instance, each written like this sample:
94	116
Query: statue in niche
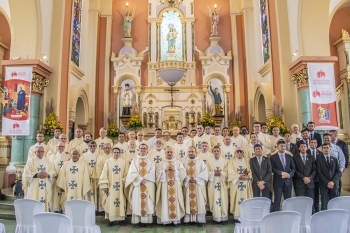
127	99
214	17
171	38
127	22
217	99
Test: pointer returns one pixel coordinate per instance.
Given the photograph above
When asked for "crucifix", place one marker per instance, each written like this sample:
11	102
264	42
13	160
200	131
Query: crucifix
172	93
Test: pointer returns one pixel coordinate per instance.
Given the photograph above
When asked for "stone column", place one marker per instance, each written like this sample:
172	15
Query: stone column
40	80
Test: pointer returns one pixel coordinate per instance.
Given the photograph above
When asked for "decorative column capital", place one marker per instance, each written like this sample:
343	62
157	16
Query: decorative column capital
39	83
205	88
301	78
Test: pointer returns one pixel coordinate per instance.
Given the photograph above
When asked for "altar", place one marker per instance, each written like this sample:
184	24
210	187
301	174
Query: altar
171	96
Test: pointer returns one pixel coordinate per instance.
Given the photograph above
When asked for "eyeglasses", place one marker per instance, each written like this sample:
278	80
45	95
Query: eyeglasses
239	151
60	146
63	138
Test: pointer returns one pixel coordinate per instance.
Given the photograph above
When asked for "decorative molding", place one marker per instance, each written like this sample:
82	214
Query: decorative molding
344	34
301	78
39	83
171	64
339	90
192	95
151	96
265	69
76	71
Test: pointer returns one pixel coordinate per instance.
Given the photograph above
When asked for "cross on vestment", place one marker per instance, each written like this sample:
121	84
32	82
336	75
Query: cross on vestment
182	153
59	194
198	145
41	168
101	146
240	170
240	202
218	202
228	155
122	151
72	184
42	184
42	200
234	144
116	186
92	163
117	202
60	164
85	150
157	159
116	169
218	186
71	198
73	170
218	169
241	186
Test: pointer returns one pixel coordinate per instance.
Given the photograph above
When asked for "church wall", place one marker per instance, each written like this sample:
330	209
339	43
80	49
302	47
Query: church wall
5	33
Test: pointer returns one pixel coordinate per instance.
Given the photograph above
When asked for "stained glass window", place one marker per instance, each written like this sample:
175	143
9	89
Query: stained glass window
265	34
77	7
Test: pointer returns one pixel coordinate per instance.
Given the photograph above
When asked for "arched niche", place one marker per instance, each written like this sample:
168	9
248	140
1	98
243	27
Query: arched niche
220	76
80	112
262	100
78	102
124	77
261	109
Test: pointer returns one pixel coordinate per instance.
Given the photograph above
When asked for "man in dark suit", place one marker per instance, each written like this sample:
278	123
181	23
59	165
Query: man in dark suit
291	147
283	170
343	145
305	171
305	138
313	134
261	171
329	174
315	153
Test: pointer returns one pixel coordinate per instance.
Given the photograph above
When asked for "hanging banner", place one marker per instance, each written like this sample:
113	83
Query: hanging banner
322	95
15	112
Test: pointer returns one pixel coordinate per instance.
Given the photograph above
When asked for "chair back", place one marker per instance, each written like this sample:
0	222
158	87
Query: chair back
281	221
340	203
302	205
82	213
53	223
25	209
330	221
2	228
253	210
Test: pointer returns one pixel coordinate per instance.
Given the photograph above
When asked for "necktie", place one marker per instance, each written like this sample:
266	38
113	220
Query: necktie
313	154
288	147
327	157
304	159
259	159
283	162
312	136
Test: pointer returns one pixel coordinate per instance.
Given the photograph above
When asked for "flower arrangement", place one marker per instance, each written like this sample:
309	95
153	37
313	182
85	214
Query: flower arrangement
113	130
135	122
207	120
51	123
276	121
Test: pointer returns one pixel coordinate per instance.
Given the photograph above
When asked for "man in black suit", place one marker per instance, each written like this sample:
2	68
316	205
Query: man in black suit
305	171
261	171
283	170
343	145
291	147
315	153
305	138
313	134
329	174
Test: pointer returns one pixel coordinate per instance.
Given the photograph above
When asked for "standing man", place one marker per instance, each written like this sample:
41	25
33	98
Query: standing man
157	154
249	152
195	190
84	147
204	153
305	138
130	154
62	138
168	141
170	207
187	139
180	148
217	188
111	183
132	135
201	137
263	139
341	144
38	172
237	139
227	149
157	134
313	134
217	138
102	140
217	99
122	144
140	188
39	142
283	169
74	143
329	174
274	138
291	147
296	135
140	140
261	172
207	131
305	171
55	140
336	152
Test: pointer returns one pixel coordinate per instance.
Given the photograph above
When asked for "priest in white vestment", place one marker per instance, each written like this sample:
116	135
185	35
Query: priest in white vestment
38	172
195	188
122	144
274	139
168	141
204	153
111	183
57	161
187	139
52	143
263	139
237	139
75	142
141	140
249	152
201	137
39	142
158	153
170	207
295	135
227	149
84	147
180	148
130	154
67	148
217	139
217	187
73	179
102	140
239	179
140	188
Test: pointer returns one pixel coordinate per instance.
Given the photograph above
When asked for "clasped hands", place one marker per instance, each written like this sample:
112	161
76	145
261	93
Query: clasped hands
217	173
192	180
42	175
306	180
261	185
285	175
330	184
170	167
244	176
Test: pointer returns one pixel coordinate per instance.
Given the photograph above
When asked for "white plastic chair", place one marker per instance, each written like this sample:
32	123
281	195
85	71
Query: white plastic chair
252	212
340	203
25	210
82	214
52	223
281	222
330	221
2	228
302	205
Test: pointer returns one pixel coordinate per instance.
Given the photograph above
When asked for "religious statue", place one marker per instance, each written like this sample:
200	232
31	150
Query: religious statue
127	99
171	38
21	99
214	17
217	99
127	22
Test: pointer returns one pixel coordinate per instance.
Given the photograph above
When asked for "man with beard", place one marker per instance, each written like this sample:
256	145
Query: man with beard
74	143
84	147
122	144
55	140
39	142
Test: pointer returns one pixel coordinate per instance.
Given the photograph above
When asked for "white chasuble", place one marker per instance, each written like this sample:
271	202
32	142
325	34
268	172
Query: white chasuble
216	140
239	141
128	156
113	177
195	193
217	189
227	152
53	151
39	189
57	161
197	140
205	156
74	143
170	207
91	159
141	196
240	190
157	156
31	152
74	180
101	160
249	152
101	143
180	151
123	147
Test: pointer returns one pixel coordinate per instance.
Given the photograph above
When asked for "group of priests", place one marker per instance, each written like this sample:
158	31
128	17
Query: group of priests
197	174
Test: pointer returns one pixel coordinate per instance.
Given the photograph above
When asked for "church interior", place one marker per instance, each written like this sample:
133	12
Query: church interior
170	63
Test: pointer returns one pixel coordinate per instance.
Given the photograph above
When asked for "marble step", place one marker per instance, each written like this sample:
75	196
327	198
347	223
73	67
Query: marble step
7	214
6	205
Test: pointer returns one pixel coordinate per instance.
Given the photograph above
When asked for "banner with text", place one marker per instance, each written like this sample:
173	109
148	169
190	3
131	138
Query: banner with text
322	95
15	112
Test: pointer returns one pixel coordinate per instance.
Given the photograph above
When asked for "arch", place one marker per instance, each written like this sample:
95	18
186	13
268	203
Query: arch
5	33
262	100
176	9
125	77
79	100
80	112
219	76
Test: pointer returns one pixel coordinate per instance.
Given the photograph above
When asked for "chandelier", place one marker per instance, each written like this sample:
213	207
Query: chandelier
171	3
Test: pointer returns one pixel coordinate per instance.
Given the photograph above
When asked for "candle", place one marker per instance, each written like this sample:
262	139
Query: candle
127	4
215	6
